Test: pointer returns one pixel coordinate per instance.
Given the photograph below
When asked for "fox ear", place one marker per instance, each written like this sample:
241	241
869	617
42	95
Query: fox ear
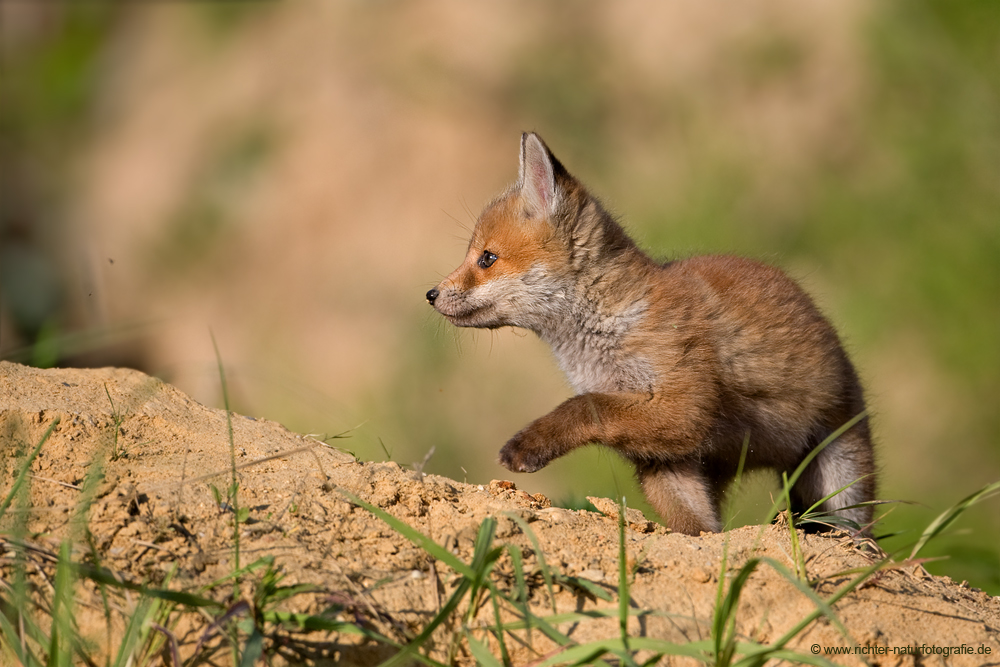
537	175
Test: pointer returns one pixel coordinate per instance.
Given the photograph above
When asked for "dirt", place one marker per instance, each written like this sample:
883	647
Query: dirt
149	456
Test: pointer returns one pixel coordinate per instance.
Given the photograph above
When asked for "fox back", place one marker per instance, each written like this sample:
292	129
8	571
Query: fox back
675	365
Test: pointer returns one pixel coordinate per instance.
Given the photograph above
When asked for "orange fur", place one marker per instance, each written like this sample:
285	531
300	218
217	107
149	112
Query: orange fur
674	364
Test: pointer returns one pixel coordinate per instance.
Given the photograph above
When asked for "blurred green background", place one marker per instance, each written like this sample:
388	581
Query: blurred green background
293	176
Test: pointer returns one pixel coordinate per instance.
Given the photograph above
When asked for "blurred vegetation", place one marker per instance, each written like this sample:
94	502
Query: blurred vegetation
211	207
903	214
935	110
47	87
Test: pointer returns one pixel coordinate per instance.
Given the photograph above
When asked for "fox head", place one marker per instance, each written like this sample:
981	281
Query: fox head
529	249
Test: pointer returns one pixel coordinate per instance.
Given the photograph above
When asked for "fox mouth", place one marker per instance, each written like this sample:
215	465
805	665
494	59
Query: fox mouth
468	318
476	316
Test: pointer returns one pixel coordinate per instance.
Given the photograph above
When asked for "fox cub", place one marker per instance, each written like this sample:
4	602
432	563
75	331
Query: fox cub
675	365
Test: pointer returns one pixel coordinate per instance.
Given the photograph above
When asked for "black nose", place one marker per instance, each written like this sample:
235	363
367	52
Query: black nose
431	295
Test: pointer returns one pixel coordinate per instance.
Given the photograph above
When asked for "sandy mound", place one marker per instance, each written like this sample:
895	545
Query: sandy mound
153	509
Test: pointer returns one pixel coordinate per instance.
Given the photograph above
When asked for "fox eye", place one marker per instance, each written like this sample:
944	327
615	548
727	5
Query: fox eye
486	259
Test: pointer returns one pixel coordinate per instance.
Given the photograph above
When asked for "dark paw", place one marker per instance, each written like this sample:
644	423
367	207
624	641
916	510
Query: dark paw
520	454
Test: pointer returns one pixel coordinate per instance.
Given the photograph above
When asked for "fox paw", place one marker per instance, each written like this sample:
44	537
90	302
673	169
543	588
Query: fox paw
524	453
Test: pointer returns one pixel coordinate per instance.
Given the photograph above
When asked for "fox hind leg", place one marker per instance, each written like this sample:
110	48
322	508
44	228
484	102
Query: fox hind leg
682	495
843	461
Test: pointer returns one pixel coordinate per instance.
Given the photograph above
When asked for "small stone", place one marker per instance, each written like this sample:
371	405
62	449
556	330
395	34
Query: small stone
701	574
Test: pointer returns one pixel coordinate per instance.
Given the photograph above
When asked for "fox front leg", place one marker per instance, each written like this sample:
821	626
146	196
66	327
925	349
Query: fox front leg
640	426
531	449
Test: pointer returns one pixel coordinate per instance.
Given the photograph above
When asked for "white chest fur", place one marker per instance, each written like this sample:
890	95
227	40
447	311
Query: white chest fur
594	351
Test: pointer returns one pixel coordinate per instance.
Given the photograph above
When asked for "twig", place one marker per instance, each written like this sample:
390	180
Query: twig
55	481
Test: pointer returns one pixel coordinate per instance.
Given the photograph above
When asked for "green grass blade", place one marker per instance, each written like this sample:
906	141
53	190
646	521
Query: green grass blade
411	650
623	593
823	606
22	474
757	659
482	561
545	625
253	649
262	562
948	517
737	480
103	576
585	654
724	621
62	633
482	568
415	536
517	564
283	593
812	508
495	601
520	599
95	557
828	604
584	585
12	642
546	573
133	631
718	630
483	557
481	652
150	635
793	535
234	484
